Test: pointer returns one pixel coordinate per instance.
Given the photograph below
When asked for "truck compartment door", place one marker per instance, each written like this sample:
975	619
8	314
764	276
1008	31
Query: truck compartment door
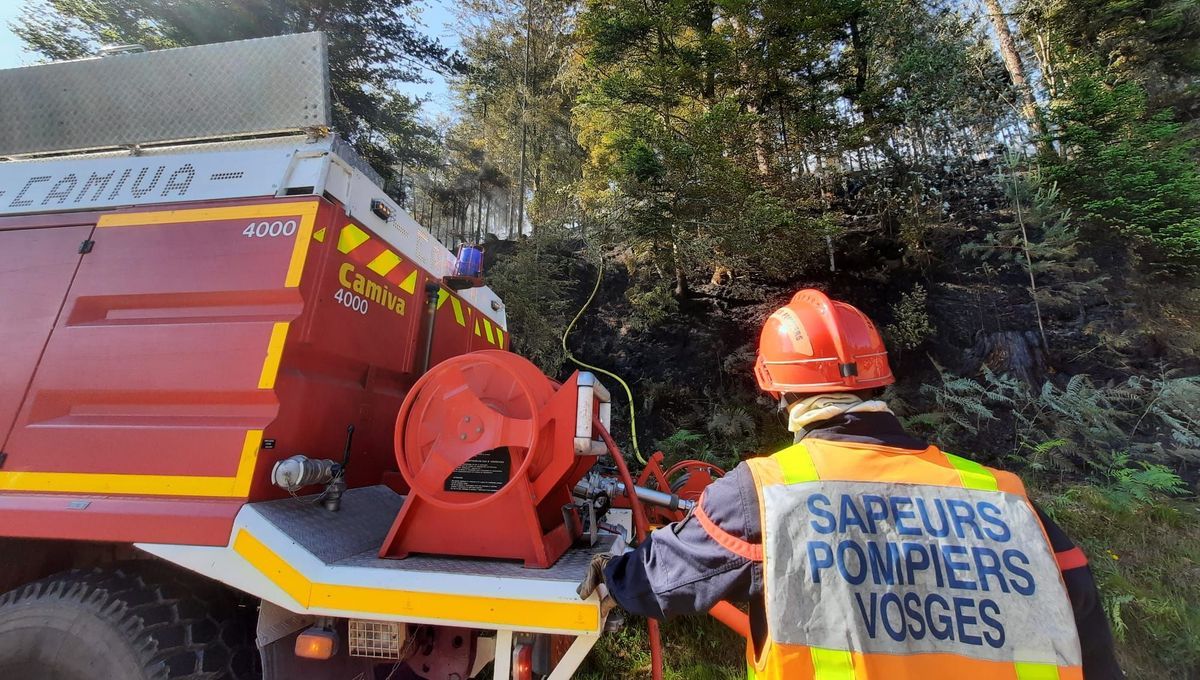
36	268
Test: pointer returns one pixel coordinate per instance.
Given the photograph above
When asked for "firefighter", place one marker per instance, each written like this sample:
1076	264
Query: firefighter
865	552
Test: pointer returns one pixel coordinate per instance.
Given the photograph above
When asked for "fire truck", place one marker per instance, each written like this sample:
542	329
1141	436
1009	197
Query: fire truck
255	421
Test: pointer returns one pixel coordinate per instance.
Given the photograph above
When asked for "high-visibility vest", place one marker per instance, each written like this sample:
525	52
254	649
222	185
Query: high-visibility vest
883	563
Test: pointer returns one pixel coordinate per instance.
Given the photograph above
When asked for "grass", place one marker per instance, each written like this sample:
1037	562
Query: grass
694	648
1146	558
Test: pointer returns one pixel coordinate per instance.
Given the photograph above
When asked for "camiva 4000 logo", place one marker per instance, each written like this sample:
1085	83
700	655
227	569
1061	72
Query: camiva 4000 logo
357	292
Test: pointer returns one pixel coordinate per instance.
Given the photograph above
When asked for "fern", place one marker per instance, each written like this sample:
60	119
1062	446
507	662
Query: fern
682	442
1069	426
1114	606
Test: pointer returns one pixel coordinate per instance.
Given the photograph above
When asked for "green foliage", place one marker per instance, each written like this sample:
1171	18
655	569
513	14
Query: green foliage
912	326
534	281
682	444
710	125
651	306
729	431
1152	42
1129	170
1143	550
514	105
1072	427
733	430
1041	240
694	648
1131	487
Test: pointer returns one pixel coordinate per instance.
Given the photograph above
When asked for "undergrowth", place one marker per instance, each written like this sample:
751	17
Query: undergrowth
1066	428
1144	550
694	648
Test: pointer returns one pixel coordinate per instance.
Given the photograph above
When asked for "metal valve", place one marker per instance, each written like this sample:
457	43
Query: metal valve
300	471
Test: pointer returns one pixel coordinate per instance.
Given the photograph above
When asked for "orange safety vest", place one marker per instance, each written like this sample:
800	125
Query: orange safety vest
882	563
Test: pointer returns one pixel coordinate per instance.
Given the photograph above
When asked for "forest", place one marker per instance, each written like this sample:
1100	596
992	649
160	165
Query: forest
1010	188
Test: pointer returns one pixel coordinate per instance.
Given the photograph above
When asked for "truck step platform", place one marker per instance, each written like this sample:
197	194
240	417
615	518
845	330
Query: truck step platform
296	554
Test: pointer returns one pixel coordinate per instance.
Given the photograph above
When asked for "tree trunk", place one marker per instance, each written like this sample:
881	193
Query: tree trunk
1016	71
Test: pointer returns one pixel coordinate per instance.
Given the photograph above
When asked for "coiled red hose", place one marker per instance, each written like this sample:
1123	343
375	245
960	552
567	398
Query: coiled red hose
642	526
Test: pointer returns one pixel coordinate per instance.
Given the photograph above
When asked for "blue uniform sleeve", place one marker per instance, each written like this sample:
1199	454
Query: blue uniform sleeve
680	569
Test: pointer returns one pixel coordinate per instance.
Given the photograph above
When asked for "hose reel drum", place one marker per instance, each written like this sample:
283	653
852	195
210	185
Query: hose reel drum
491	449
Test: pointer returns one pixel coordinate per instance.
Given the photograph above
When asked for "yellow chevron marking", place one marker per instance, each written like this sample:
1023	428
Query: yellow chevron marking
458	312
443	295
487	328
477	331
319	235
384	263
499	338
351	238
409	284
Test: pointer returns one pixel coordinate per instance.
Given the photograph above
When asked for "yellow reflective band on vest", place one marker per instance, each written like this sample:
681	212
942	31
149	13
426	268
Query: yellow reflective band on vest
972	474
832	664
1036	671
797	465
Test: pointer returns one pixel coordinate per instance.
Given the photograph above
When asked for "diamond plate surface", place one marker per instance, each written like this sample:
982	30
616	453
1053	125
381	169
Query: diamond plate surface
208	91
361	524
352	537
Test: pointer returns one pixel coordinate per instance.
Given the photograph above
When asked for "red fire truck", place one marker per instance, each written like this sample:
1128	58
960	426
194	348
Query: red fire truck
210	315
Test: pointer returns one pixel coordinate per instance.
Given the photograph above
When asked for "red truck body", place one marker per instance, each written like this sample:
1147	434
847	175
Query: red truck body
159	361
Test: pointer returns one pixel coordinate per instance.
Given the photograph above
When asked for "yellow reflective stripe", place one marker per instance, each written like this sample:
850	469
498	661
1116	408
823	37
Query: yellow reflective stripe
351	238
148	485
972	474
300	247
478	333
274	567
832	664
146	219
499	338
1036	671
577	615
384	263
443	295
319	235
487	327
797	465
270	369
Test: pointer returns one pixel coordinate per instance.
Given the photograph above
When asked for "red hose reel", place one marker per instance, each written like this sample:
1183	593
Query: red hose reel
491	449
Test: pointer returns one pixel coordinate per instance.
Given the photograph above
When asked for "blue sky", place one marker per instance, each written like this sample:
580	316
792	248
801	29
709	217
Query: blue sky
438	18
11	53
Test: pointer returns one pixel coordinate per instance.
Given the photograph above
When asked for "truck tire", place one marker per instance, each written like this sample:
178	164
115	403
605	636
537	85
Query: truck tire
132	622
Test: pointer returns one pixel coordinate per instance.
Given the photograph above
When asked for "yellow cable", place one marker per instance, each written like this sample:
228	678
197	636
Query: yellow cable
628	393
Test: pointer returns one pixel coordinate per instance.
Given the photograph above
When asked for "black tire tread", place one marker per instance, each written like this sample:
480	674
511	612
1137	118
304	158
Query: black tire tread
179	626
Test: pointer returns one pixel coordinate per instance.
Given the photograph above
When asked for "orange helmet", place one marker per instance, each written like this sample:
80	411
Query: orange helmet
814	345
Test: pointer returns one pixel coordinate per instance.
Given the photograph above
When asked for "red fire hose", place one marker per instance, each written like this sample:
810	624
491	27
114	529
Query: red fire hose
729	615
642	526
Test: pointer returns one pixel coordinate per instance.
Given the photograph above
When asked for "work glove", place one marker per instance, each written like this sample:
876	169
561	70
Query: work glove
593	582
